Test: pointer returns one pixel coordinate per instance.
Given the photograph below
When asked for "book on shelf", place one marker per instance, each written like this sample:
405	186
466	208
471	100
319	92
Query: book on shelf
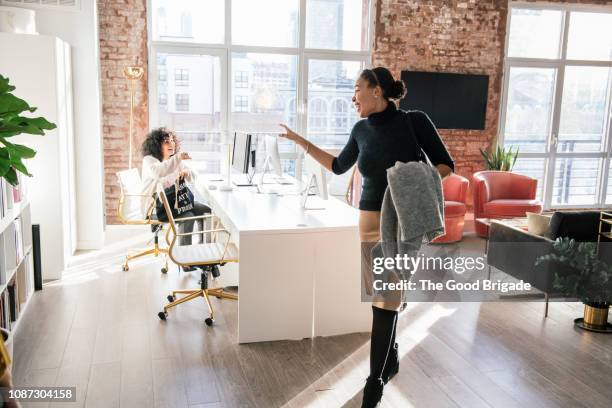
3	210
10	255
7	193
2	260
13	304
2	320
6	314
18	241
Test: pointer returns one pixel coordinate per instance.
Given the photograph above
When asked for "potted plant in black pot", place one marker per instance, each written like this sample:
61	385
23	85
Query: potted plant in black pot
581	274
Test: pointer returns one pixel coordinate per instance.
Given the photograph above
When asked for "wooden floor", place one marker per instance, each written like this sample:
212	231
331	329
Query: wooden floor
98	330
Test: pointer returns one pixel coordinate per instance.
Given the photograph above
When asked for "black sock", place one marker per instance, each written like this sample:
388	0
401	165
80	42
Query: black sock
382	340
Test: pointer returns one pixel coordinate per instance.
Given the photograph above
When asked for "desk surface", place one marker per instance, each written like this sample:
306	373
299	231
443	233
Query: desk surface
253	212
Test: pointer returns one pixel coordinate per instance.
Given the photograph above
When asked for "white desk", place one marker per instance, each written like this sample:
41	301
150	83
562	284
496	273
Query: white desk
298	270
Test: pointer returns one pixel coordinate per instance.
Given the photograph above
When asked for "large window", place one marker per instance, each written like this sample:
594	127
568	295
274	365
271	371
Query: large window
250	65
557	101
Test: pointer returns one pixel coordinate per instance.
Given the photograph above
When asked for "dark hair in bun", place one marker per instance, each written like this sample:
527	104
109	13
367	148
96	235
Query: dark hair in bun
381	76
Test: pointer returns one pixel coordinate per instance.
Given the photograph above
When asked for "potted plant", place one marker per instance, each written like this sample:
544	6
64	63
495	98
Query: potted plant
581	274
500	159
13	123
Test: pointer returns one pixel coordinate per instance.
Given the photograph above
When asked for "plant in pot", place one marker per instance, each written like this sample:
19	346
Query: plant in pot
580	274
13	123
500	158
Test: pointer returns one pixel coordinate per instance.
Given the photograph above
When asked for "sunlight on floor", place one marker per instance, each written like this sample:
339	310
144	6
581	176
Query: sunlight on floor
346	380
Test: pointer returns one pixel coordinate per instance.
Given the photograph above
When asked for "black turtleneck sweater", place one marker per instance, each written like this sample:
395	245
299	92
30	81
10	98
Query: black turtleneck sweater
382	139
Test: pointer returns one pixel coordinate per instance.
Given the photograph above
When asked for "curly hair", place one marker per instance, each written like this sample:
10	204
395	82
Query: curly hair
153	143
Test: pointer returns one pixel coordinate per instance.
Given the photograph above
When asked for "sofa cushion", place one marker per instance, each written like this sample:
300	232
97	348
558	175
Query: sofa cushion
454	209
511	207
582	226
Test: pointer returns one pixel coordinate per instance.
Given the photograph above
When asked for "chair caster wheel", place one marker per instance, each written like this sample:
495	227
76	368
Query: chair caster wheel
164	270
171	298
162	315
125	268
209	321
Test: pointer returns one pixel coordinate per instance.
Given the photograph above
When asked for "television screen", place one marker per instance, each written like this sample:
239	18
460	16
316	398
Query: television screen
452	101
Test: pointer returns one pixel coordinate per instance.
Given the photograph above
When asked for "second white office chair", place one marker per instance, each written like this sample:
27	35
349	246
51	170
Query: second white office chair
207	256
136	208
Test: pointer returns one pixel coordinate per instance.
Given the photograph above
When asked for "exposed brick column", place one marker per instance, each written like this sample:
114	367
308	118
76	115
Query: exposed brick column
123	41
462	36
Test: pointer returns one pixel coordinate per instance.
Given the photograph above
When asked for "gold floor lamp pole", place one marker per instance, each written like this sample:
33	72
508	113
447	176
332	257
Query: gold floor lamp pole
132	74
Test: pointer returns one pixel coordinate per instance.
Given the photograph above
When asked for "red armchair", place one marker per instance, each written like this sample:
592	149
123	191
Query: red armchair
502	194
455	190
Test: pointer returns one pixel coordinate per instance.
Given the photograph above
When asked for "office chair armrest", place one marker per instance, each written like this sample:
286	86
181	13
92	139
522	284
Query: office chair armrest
215	230
197	217
203	232
136	195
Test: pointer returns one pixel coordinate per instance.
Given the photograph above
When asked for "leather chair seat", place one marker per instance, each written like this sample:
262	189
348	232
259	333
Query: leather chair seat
511	207
454	209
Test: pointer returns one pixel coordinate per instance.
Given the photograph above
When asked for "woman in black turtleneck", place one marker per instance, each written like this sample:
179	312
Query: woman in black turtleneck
376	143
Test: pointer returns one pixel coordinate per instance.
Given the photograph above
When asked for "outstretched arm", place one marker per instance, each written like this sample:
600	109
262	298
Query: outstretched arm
337	165
320	155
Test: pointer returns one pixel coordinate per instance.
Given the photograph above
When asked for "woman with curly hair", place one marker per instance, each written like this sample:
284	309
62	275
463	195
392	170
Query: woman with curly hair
163	163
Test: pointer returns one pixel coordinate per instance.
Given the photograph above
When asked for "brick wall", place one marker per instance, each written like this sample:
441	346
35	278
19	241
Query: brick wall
123	41
462	36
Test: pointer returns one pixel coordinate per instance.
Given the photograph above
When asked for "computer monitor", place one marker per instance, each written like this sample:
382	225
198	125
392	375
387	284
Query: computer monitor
241	152
273	155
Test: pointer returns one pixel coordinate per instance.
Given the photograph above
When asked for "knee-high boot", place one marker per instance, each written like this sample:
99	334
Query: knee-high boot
381	343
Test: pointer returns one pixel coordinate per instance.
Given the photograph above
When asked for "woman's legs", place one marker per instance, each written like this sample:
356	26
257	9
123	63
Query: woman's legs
187	226
383	350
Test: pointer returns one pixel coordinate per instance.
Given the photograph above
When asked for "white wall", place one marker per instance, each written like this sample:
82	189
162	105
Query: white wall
80	30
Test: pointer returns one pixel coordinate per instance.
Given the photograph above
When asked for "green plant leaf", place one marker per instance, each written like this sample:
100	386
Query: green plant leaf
19	150
18	165
5	87
11	177
11	103
5	162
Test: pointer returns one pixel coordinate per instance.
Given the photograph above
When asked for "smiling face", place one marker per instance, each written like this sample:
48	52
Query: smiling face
168	147
367	98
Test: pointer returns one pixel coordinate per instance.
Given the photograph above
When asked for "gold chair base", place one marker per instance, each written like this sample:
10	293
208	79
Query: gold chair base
155	251
191	294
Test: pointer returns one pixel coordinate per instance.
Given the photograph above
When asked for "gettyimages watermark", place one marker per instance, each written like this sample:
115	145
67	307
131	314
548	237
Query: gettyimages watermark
501	271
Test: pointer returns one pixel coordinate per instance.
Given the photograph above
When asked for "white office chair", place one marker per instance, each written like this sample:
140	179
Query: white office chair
136	208
207	256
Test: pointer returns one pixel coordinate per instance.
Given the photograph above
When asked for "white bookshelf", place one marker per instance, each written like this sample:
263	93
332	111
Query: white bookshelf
16	256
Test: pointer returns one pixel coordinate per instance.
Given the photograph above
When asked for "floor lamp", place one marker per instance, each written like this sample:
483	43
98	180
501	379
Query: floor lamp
132	74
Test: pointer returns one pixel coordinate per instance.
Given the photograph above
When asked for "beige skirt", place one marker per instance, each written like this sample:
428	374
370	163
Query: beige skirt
369	234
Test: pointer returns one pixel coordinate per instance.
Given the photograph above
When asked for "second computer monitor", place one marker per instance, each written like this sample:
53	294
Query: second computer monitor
241	156
273	155
313	168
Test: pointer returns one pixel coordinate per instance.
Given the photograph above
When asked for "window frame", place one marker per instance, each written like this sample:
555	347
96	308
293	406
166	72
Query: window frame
225	50
550	155
176	102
